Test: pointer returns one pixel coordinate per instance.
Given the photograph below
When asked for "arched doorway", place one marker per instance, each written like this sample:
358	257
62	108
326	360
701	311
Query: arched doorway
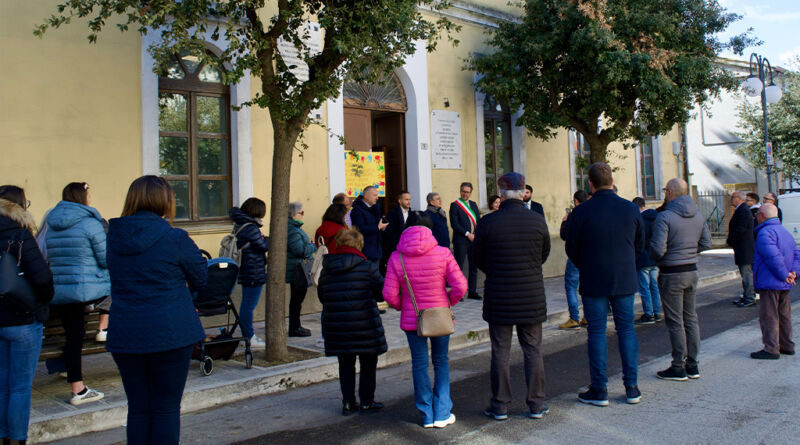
374	121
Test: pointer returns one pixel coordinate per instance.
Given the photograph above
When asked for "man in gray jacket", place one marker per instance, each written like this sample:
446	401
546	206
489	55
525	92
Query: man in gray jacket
679	233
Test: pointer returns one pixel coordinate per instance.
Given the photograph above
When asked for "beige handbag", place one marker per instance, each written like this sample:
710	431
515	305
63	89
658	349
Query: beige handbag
431	322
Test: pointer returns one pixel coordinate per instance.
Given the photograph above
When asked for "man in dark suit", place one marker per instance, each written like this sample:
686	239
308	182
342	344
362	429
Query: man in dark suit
530	204
464	217
439	218
603	236
366	216
740	238
400	218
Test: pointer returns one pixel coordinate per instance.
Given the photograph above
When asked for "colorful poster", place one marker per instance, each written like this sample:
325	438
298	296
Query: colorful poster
362	169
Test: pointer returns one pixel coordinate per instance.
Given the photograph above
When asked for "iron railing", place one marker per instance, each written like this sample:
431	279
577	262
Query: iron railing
713	206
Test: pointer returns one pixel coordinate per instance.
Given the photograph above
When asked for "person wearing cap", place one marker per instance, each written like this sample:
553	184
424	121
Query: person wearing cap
603	236
511	244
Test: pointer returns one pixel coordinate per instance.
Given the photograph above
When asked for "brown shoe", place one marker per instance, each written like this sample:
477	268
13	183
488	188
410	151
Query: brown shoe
570	324
584	323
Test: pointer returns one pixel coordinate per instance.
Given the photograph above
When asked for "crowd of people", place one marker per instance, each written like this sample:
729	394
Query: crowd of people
616	248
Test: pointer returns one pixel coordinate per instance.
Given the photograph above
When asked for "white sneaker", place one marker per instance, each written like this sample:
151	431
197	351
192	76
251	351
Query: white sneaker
101	336
443	423
257	343
89	396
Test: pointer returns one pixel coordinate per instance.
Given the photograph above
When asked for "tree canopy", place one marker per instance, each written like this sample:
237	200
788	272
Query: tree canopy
783	122
614	70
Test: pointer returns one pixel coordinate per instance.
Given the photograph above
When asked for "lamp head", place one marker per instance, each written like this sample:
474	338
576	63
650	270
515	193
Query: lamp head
773	93
752	86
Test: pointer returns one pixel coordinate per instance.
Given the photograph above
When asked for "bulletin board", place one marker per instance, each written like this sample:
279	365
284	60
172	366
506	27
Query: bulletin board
362	169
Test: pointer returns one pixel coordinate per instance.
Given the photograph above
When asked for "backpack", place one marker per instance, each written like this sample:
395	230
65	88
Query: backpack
316	266
229	248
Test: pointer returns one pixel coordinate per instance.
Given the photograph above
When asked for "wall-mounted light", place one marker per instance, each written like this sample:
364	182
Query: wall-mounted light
446	102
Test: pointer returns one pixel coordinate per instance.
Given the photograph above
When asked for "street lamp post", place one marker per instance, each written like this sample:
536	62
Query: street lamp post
753	86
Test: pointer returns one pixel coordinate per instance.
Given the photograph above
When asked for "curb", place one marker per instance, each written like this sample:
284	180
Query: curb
268	381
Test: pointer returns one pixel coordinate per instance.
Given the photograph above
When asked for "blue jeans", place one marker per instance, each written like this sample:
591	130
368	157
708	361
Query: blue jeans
250	296
154	385
648	290
571	281
19	353
433	404
595	309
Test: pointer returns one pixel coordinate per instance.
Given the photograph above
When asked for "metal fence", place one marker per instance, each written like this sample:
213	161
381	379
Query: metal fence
715	208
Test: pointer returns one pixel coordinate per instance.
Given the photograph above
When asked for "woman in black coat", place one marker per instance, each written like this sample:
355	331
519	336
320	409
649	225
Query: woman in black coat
349	288
252	270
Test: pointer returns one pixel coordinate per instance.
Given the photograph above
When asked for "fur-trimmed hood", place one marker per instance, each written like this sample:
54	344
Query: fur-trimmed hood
16	214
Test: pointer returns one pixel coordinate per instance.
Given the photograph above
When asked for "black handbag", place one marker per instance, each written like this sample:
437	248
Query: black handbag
15	291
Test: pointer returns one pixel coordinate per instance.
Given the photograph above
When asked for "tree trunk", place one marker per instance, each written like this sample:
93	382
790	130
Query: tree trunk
284	138
598	148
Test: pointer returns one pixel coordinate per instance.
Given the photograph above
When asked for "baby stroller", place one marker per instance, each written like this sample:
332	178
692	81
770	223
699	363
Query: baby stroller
215	299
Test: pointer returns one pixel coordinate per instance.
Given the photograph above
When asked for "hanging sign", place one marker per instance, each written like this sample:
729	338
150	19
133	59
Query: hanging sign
362	169
770	156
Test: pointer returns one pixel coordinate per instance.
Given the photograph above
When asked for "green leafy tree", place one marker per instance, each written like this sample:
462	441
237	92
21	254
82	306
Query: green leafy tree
366	38
783	122
614	70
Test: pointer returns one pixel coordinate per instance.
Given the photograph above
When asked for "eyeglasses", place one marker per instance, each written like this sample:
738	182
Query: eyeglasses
85	186
28	204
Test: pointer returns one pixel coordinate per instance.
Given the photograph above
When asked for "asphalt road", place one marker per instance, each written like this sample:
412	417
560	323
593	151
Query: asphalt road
312	414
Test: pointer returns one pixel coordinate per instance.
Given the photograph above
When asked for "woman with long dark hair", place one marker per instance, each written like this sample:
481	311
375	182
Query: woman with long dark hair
20	329
154	325
332	223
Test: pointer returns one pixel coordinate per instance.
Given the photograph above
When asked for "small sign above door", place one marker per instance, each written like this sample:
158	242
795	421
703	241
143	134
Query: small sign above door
446	139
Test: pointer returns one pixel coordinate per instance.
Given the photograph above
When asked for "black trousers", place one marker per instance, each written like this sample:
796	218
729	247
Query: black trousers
347	377
530	339
74	324
462	250
154	385
299	288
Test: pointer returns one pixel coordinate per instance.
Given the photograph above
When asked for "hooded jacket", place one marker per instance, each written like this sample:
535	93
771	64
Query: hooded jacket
253	267
154	268
16	223
679	234
348	289
430	268
643	258
298	247
776	254
511	245
76	251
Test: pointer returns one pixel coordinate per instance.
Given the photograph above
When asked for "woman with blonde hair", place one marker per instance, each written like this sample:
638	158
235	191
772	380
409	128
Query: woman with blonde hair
154	326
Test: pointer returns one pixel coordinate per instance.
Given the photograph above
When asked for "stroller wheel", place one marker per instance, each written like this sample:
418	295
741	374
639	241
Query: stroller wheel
248	360
207	365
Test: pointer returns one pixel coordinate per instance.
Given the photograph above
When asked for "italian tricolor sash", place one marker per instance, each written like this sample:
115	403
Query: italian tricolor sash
472	217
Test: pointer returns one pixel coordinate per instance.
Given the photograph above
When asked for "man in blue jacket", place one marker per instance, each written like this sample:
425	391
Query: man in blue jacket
464	218
776	267
439	218
366	216
648	272
603	236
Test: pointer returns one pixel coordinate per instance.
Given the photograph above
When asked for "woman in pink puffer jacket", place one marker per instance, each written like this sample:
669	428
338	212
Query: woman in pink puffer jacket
430	267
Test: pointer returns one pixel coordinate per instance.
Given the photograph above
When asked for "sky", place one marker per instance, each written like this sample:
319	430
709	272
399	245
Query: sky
775	22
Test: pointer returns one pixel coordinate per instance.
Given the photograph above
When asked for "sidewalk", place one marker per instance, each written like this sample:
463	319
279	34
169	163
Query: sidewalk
52	417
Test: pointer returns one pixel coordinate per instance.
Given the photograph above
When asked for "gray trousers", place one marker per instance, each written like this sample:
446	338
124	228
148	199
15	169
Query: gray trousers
678	292
530	338
775	317
748	293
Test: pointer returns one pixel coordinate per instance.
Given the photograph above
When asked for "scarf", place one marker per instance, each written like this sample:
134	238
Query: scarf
437	210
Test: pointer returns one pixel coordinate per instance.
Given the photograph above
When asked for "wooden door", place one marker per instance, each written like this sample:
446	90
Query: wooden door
357	129
389	137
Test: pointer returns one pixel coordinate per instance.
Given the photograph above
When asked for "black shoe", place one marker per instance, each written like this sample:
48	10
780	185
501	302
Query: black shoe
300	332
785	352
737	301
764	355
348	408
381	311
693	371
474	296
596	397
496	416
370	407
746	303
673	373
633	395
538	414
645	319
657	317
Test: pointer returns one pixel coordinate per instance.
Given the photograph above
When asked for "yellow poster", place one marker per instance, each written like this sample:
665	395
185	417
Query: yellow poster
362	169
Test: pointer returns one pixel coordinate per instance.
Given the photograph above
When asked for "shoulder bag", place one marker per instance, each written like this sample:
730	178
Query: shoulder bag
431	322
15	291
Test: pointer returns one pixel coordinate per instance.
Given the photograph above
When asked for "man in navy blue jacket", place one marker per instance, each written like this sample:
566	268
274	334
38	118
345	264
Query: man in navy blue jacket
366	215
530	204
740	238
464	217
648	272
439	218
603	236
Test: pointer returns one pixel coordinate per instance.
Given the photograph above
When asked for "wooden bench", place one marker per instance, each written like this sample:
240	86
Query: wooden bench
54	338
